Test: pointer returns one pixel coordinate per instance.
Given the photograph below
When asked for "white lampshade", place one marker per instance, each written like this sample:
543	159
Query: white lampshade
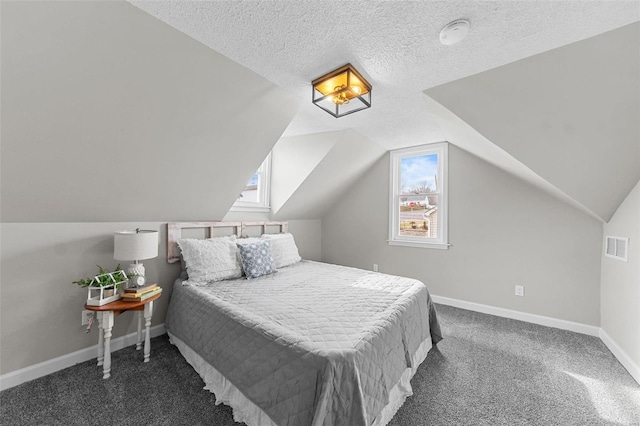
138	244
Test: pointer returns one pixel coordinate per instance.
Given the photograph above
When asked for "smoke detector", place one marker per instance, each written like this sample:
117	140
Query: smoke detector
454	32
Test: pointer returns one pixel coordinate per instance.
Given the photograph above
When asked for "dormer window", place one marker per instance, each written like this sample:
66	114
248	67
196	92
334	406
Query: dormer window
255	196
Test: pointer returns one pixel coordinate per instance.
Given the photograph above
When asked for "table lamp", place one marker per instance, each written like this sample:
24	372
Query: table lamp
135	246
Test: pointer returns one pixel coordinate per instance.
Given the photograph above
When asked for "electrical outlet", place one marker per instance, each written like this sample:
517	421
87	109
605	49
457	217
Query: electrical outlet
375	267
86	314
519	290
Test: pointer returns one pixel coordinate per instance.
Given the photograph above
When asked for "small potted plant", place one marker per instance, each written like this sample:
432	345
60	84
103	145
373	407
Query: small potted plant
103	288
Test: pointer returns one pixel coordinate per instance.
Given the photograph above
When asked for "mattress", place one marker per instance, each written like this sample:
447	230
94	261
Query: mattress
314	343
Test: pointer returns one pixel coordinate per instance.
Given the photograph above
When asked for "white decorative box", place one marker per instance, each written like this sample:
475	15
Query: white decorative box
108	290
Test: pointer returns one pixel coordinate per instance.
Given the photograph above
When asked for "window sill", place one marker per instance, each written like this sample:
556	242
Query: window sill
439	246
250	209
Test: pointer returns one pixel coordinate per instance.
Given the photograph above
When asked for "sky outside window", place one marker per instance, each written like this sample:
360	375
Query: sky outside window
250	192
418	171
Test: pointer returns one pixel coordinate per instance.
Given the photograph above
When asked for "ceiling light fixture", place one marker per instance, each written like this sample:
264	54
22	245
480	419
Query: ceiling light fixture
454	32
342	91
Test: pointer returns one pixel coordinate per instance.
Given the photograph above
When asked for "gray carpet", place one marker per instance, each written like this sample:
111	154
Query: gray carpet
487	371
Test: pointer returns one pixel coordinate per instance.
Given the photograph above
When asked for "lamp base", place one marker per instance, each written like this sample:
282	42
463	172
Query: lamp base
136	269
136	275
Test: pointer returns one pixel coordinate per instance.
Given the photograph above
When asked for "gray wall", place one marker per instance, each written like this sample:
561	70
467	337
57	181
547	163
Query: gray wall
503	232
40	307
181	128
621	281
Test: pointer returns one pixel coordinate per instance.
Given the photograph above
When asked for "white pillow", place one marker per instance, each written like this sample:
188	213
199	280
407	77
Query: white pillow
283	249
183	273
215	259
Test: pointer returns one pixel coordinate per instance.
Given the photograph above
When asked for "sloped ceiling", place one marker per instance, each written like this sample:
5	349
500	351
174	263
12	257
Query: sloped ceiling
89	84
467	138
111	115
395	45
570	115
311	172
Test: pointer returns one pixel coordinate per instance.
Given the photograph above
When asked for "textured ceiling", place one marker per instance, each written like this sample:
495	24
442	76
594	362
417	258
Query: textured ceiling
393	43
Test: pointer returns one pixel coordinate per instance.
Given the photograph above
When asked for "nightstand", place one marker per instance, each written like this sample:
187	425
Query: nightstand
107	313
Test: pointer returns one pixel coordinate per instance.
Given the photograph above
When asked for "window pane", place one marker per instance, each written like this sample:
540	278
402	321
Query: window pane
418	194
418	175
418	216
250	192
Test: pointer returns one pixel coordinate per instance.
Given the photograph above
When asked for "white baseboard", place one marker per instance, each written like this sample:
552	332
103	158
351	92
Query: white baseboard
621	355
521	316
32	372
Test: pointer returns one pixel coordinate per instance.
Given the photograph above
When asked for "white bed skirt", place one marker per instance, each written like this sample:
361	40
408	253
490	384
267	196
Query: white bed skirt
246	411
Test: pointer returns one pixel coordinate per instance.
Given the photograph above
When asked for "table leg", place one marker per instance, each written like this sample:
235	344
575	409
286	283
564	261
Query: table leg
139	342
148	311
107	324
100	340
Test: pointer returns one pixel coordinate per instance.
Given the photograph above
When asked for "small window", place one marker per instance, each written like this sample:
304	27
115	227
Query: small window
255	196
418	196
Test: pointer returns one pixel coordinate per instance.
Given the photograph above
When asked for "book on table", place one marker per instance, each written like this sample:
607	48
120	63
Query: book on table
140	290
127	298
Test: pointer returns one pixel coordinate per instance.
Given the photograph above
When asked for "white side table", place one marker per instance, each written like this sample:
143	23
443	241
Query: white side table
107	313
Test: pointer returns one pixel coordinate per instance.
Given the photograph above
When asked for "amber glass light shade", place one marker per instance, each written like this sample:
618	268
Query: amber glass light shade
342	91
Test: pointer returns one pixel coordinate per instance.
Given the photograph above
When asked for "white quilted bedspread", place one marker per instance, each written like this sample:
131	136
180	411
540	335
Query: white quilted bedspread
313	344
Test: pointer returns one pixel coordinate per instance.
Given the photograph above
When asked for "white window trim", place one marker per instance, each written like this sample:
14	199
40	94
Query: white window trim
264	191
395	239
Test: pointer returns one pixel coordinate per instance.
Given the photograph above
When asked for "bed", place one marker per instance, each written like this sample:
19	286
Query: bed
306	344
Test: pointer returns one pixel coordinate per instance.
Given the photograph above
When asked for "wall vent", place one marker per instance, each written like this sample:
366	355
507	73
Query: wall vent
616	248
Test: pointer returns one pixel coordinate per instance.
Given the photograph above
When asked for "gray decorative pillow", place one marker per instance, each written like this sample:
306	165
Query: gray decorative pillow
256	259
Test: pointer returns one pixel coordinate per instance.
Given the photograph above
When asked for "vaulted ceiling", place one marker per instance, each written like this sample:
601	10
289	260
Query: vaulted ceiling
567	120
570	129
